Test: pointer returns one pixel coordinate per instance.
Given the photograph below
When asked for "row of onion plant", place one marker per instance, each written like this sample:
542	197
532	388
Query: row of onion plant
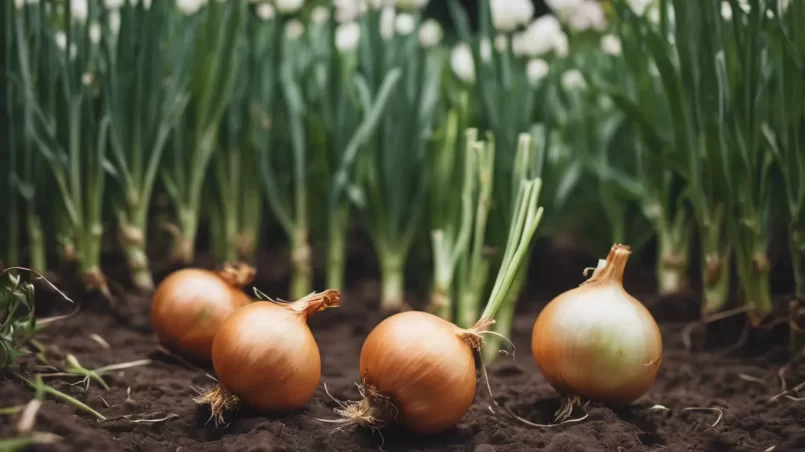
735	125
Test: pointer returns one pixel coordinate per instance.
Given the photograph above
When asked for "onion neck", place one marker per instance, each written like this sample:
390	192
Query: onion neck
316	302
472	336
611	272
237	274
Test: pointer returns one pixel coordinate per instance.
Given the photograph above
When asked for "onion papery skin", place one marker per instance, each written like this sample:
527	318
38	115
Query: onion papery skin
189	306
265	353
423	365
599	342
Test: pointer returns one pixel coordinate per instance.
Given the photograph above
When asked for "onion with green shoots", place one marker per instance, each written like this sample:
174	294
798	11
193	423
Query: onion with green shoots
417	369
597	341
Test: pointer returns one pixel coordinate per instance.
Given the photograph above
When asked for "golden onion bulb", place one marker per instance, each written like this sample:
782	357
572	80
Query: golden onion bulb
598	341
190	305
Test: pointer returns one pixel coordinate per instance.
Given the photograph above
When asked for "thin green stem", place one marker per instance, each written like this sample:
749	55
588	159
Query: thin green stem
301	278
36	242
133	239
392	275
526	219
75	403
797	248
673	259
185	238
754	270
336	248
505	317
251	215
715	265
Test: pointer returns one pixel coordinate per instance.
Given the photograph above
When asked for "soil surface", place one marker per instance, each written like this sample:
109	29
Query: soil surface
734	389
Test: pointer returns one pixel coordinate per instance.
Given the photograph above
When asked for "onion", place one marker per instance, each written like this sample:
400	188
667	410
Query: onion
596	340
418	370
266	357
190	305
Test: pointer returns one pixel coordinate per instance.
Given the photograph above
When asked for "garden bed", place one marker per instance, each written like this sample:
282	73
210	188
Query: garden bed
740	384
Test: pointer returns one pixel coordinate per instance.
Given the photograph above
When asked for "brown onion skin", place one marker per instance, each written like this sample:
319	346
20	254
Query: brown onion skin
266	355
420	362
189	306
593	370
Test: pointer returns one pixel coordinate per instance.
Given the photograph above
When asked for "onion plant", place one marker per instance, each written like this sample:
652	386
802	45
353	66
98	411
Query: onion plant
342	116
145	93
216	31
507	89
741	68
27	171
784	130
696	147
392	172
460	199
237	204
8	195
635	87
279	107
68	122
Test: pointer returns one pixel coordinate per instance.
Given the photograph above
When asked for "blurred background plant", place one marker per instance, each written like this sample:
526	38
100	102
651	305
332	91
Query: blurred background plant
670	125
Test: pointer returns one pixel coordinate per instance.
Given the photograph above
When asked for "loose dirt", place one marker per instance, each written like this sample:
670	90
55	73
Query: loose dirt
737	386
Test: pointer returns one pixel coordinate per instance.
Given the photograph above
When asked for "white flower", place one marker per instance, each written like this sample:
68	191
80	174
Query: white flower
561	46
726	10
507	15
501	42
565	9
782	5
348	10
412	4
265	11
289	6
611	45
189	7
79	9
61	39
19	4
485	49
536	70
113	4
572	80
430	33
387	17
114	22
589	15
405	24
294	29
539	38
95	32
87	78
320	15
745	6
462	64
147	4
639	6
347	36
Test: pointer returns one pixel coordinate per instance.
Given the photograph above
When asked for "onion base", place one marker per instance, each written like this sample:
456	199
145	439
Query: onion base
373	411
220	401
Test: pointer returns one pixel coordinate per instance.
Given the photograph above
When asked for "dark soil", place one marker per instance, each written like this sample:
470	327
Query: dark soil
740	384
